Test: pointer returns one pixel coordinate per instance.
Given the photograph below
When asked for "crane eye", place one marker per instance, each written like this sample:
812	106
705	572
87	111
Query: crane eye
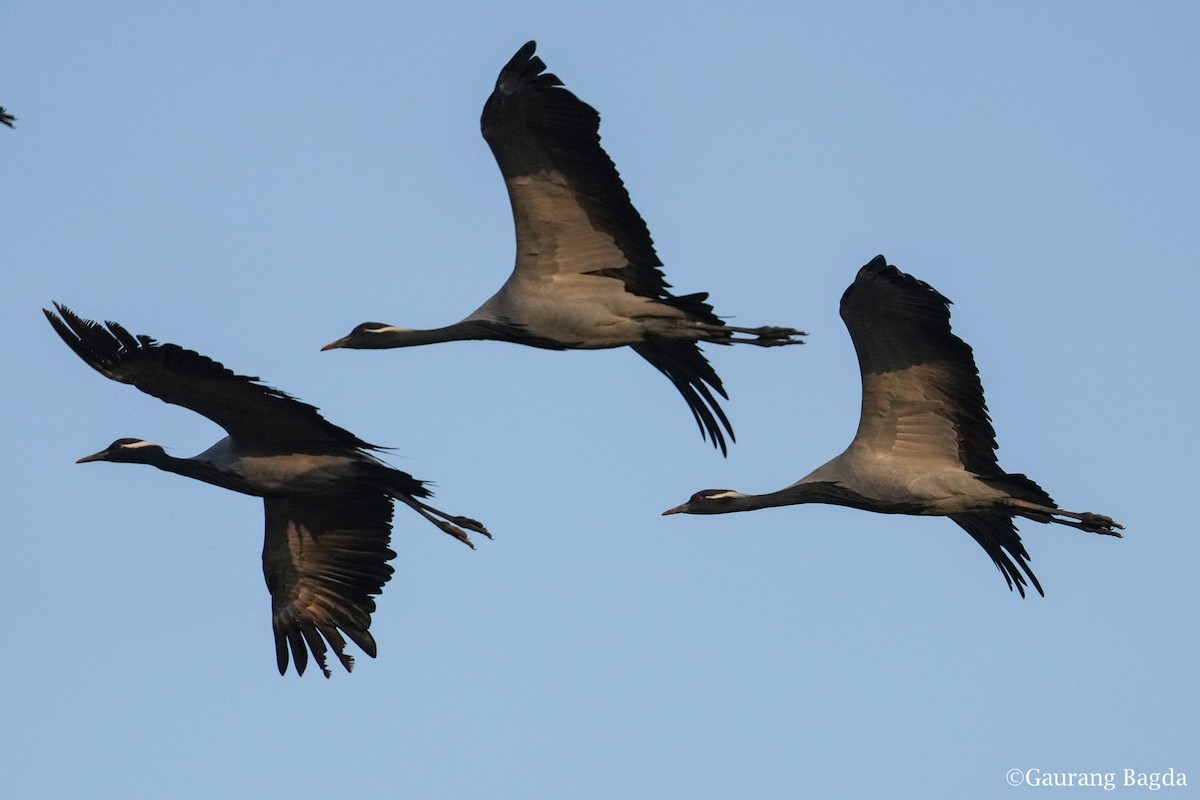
698	497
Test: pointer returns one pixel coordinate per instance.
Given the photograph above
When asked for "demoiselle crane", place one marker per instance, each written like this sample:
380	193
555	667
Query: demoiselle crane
586	274
328	500
925	443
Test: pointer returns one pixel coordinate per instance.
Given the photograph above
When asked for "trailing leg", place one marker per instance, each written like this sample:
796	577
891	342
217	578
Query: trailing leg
447	522
766	336
1086	521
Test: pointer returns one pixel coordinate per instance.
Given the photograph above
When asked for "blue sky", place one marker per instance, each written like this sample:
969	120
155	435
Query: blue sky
252	180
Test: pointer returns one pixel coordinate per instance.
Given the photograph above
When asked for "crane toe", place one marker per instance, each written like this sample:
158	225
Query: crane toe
1098	523
471	525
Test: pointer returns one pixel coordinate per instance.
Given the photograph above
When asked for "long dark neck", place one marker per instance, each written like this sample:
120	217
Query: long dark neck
196	469
835	494
467	329
736	501
826	492
460	331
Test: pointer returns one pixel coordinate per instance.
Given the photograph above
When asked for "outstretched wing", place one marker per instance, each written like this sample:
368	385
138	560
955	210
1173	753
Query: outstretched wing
998	536
571	210
324	560
7	118
922	398
249	411
573	218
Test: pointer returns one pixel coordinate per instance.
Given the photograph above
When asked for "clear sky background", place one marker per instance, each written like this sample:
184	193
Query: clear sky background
252	180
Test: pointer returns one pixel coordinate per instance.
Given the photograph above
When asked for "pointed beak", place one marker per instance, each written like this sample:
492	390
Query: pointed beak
676	510
335	345
101	456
